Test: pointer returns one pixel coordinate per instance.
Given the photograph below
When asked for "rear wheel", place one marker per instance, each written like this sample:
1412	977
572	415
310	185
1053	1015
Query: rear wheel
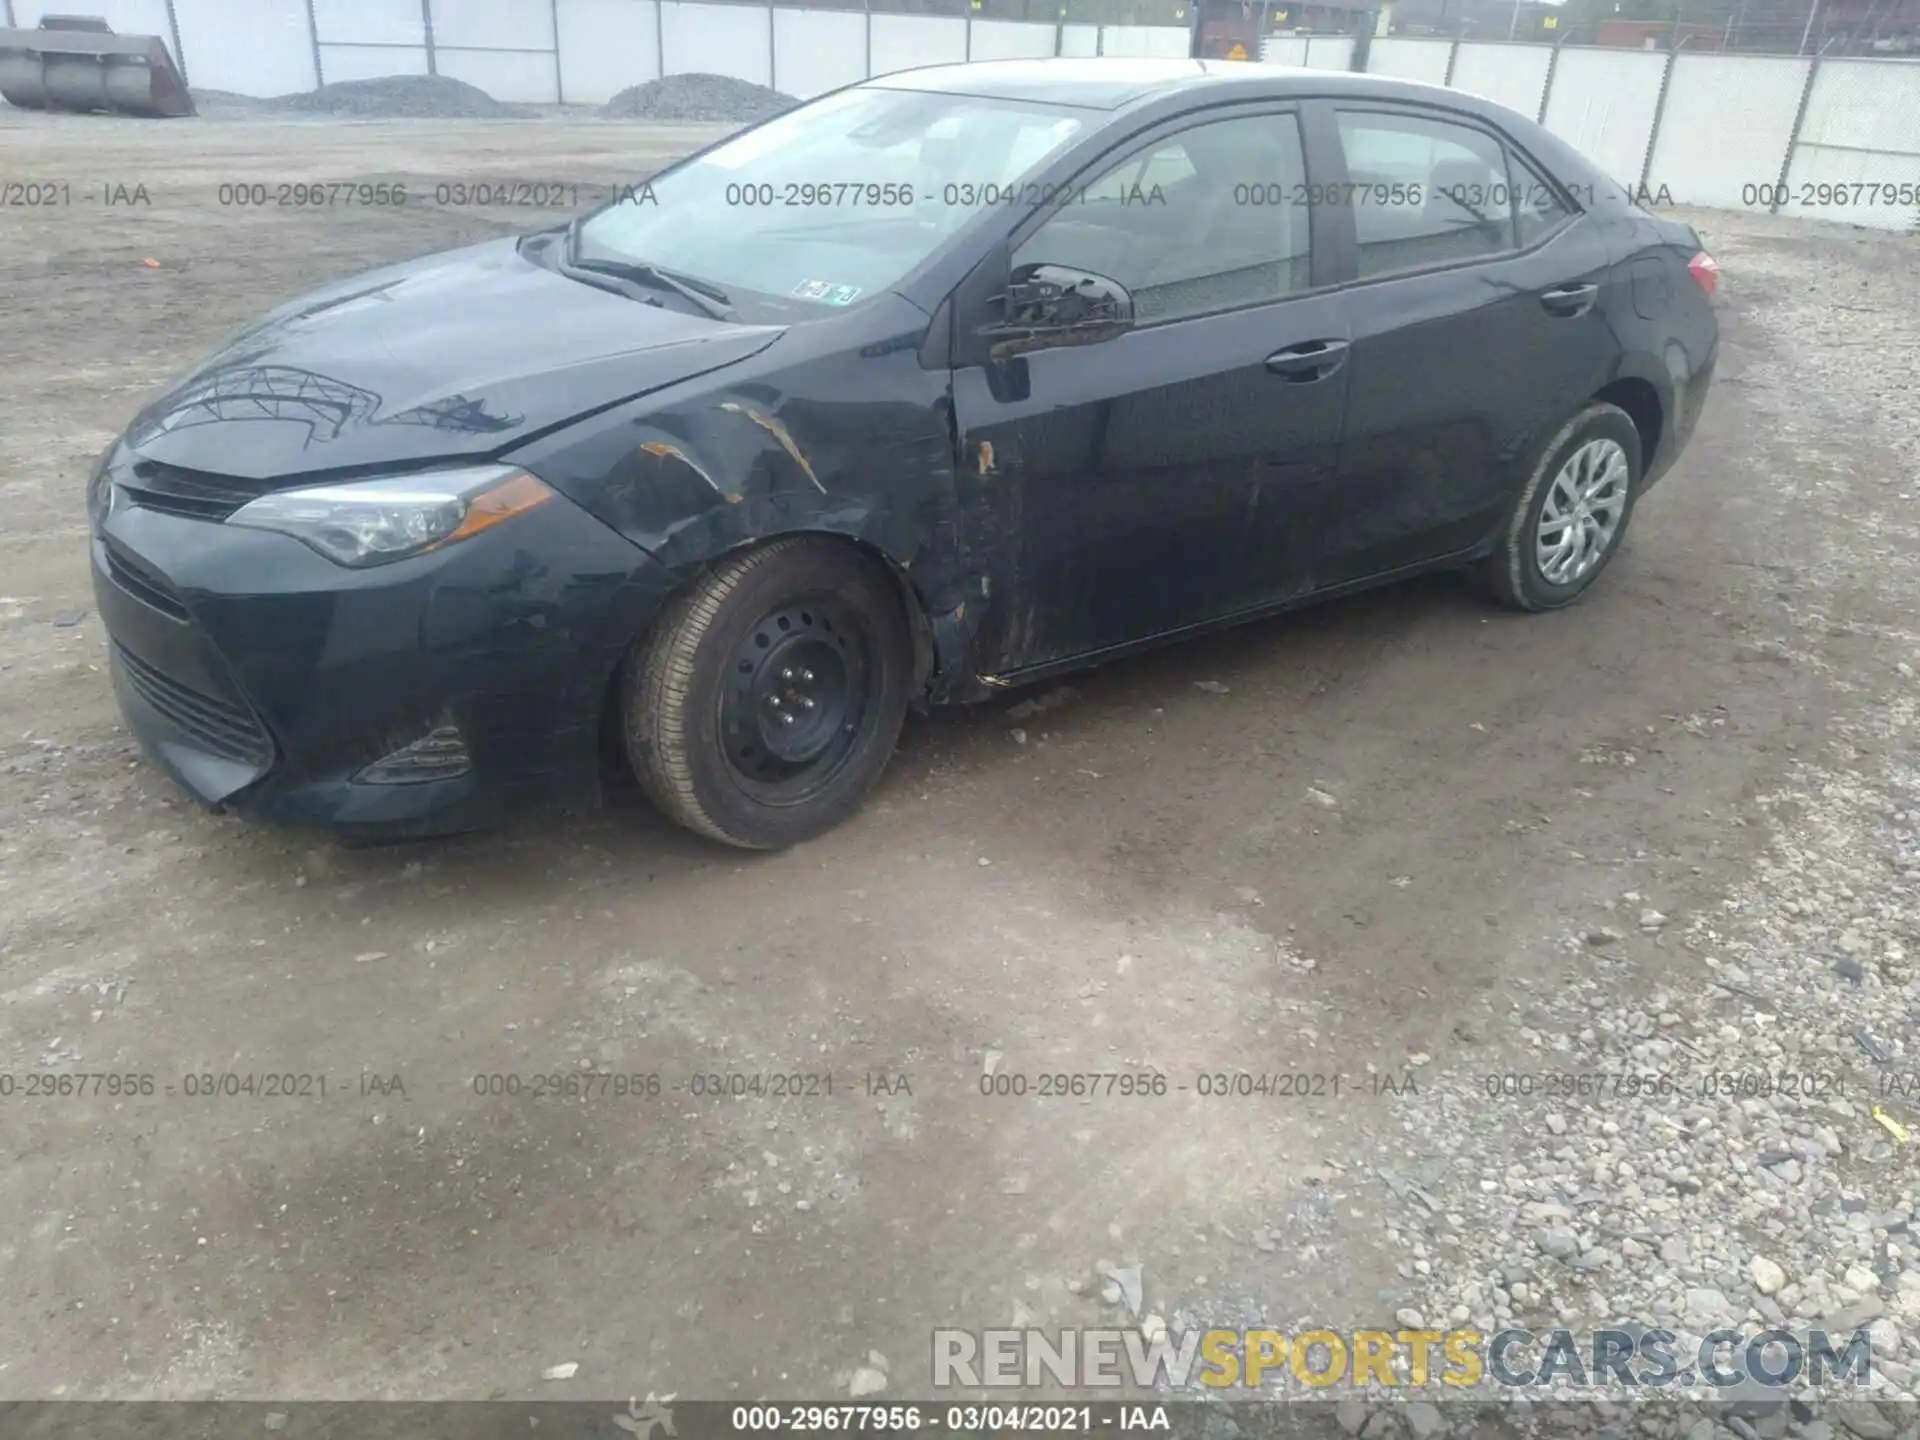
1570	517
764	705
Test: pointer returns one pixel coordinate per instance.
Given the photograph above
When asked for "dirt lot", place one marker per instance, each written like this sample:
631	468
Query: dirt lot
1141	881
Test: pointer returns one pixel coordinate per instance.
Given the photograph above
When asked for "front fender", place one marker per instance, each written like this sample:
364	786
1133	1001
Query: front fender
853	442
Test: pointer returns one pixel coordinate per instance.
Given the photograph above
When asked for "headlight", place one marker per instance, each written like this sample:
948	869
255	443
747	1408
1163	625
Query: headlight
370	522
100	490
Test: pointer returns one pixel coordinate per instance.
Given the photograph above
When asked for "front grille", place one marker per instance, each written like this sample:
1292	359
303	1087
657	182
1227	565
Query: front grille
196	494
223	728
142	583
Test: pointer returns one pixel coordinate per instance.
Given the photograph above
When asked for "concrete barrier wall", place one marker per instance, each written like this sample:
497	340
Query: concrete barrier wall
1861	133
605	46
1726	126
251	47
1510	75
819	50
1602	103
901	42
1424	60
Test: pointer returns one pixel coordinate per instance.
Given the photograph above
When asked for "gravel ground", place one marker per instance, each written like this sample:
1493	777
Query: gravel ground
699	97
1706	1120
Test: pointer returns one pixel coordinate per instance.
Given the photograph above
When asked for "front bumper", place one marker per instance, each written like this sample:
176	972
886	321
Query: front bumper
264	679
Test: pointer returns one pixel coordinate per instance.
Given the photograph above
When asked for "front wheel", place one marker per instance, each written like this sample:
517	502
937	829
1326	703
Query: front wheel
1570	517
763	706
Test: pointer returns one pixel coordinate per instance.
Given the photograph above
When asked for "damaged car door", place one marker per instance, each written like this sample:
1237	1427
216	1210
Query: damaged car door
1147	381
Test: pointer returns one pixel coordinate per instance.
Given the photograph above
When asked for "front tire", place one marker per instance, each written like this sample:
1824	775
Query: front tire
1570	517
763	706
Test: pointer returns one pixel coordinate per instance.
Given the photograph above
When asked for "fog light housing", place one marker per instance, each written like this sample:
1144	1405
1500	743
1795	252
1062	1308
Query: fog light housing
440	754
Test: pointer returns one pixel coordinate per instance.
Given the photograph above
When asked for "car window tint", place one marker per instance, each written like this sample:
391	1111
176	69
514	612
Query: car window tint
1537	210
1425	192
1201	221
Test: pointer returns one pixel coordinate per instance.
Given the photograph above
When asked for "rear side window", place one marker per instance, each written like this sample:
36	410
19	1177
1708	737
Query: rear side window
1537	210
1208	219
1425	192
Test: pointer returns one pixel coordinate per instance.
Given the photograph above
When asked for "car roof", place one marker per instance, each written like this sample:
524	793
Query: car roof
1114	84
1153	88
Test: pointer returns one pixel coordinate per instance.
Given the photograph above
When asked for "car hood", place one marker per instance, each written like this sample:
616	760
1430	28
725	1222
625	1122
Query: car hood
458	355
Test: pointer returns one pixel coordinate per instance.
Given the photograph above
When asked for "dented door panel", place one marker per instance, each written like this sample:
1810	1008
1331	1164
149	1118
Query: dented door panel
1145	485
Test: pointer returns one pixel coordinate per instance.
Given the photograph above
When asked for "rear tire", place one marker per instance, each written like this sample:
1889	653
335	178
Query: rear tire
762	707
1570	517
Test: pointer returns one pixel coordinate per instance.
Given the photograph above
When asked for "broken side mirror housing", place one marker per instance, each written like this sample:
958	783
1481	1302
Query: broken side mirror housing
1049	306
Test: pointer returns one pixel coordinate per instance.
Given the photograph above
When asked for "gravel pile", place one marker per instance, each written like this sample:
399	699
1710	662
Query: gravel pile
224	104
400	97
699	97
390	97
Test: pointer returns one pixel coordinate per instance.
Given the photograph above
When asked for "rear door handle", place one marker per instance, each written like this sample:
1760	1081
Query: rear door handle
1308	361
1570	300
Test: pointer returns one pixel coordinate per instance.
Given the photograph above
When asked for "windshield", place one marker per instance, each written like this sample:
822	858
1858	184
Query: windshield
835	201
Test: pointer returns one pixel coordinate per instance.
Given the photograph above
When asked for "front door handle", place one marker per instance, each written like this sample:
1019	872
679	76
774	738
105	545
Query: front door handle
1570	301
1308	361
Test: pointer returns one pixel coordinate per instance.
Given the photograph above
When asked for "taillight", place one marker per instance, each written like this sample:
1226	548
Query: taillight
1705	269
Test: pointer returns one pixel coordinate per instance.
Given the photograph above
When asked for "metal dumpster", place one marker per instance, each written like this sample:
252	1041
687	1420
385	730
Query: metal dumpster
76	62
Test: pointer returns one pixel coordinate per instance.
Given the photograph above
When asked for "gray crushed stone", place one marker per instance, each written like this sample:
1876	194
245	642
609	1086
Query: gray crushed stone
225	104
408	97
699	97
389	97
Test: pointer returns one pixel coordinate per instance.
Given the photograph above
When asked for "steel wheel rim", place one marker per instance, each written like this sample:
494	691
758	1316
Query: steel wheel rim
1584	507
796	698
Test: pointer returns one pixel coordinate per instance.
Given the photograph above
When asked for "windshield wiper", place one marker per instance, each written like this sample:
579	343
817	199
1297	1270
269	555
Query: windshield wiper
709	298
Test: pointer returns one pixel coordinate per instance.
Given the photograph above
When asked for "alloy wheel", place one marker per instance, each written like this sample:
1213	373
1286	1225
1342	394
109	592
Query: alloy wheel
1582	514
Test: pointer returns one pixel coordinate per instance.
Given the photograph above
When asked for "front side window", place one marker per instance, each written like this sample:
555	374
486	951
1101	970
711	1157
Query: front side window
1207	219
1425	192
835	201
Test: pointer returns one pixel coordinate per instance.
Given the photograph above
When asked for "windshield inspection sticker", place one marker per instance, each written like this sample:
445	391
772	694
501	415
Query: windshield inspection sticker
826	292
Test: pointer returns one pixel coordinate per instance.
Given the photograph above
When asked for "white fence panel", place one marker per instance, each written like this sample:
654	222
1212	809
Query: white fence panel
493	24
605	46
369	22
1602	104
370	62
251	47
1511	75
1284	50
1330	52
1011	40
717	40
1080	40
1726	126
1858	106
1143	42
1409	59
901	42
519	79
815	51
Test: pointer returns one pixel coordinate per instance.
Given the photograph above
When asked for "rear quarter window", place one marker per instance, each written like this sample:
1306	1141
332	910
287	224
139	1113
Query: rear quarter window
1425	191
1538	210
